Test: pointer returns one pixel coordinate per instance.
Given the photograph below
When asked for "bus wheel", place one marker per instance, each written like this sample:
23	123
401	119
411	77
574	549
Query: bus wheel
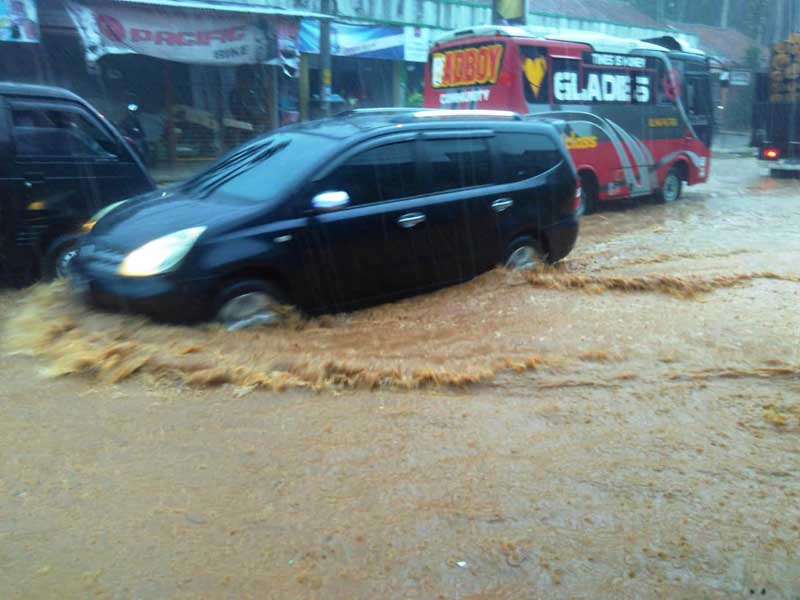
670	188
589	194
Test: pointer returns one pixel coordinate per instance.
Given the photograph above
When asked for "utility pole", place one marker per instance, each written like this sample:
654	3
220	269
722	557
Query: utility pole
325	58
726	8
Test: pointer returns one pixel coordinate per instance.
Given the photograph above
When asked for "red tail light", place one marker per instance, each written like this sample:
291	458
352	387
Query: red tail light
772	153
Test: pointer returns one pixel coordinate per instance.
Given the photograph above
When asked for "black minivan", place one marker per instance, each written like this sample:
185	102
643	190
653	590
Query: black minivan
60	162
328	215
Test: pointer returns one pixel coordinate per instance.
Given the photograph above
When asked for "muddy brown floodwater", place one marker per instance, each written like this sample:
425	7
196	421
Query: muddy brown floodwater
625	425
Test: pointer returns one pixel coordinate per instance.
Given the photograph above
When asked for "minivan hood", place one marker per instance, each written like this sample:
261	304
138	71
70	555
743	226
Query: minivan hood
156	214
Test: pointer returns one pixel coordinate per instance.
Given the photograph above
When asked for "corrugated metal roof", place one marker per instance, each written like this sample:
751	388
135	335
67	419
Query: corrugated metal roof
241	7
728	45
613	11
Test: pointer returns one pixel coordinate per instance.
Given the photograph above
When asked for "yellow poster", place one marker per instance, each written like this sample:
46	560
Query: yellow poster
510	11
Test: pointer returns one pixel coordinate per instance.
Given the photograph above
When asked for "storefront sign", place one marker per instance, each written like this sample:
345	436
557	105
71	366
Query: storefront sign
196	37
19	21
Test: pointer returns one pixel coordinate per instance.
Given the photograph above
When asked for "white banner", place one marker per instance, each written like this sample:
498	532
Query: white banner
196	37
417	41
19	21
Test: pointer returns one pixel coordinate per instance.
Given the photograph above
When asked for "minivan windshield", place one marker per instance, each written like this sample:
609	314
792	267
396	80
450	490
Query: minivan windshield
258	172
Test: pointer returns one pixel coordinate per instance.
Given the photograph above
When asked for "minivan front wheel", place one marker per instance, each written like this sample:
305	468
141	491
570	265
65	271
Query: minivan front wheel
249	303
524	255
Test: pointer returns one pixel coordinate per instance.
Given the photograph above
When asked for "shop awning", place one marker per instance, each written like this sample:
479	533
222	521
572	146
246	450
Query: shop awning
237	7
190	31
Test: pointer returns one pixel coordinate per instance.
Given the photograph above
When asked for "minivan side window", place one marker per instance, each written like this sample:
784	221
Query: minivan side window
525	155
377	175
458	163
49	132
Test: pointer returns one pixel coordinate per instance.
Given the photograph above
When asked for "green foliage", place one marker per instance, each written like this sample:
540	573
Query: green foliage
414	100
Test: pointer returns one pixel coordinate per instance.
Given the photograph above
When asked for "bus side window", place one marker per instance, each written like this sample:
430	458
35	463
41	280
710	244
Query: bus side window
667	94
698	96
536	74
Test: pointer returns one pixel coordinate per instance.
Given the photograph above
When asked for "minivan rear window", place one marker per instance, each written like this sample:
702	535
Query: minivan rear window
525	155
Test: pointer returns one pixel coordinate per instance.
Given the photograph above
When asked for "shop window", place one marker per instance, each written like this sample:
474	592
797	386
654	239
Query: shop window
377	175
59	133
523	155
458	163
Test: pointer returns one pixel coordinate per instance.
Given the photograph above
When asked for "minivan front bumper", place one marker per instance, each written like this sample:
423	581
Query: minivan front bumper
559	238
164	297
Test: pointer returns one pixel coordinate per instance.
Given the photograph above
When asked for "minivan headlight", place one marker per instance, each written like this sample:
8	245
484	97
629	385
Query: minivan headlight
160	255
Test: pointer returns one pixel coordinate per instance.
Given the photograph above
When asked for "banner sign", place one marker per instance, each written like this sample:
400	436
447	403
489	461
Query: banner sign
19	21
363	41
196	37
369	41
417	43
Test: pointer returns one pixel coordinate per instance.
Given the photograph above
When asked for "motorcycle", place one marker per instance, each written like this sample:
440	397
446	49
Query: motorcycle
134	134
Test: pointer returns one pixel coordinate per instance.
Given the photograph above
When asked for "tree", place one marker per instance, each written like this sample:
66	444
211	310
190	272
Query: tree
748	16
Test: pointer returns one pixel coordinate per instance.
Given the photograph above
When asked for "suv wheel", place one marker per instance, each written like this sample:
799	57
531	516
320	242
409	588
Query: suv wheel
670	188
524	255
249	303
58	260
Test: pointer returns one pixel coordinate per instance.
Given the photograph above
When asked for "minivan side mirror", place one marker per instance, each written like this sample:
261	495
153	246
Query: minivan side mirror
328	201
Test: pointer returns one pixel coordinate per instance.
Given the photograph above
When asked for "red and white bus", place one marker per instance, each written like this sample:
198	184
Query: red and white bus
639	113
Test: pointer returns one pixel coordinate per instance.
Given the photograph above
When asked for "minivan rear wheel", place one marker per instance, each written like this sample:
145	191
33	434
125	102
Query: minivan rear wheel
249	303
524	255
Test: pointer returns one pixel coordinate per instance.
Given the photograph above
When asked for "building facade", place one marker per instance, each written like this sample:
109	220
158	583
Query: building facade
206	75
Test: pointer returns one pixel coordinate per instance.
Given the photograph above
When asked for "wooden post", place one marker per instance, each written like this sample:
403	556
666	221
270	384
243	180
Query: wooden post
169	96
305	87
274	97
398	83
220	108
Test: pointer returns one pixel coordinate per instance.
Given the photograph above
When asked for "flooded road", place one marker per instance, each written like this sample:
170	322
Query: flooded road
624	425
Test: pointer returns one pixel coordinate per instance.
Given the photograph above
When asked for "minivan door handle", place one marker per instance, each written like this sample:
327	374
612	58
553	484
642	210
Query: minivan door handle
409	220
502	204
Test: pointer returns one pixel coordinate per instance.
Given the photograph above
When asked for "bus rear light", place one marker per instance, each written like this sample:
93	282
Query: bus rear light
772	153
576	203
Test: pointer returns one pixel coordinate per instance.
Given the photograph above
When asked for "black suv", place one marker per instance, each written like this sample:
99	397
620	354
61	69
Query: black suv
361	208
60	162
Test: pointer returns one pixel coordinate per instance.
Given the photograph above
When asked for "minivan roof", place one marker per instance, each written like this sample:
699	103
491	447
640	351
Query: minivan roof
357	123
8	88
